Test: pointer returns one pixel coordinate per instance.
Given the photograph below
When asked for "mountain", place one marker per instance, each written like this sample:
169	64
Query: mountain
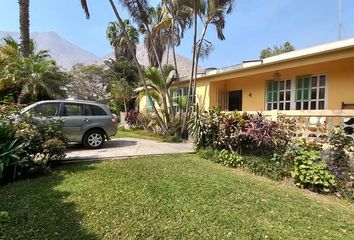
67	54
184	64
62	51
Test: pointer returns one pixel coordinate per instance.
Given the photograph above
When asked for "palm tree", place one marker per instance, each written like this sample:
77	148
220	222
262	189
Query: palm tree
130	46
39	80
33	77
214	13
119	42
156	82
24	27
196	6
210	12
156	39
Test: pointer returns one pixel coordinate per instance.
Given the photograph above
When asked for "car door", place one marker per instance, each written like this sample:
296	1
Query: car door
74	120
44	111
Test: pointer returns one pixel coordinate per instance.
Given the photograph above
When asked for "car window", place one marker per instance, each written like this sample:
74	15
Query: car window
73	109
92	110
46	110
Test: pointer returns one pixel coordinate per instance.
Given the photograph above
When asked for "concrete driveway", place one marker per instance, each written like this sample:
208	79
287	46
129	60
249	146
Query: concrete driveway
128	147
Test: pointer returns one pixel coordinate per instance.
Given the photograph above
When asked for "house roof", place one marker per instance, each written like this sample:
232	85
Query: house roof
297	54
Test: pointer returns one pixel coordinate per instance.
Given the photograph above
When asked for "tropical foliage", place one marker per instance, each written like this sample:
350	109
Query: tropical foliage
89	82
29	78
27	149
276	50
119	42
163	28
271	148
123	77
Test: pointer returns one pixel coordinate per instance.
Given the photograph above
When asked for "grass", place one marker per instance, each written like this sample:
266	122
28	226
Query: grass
170	197
138	133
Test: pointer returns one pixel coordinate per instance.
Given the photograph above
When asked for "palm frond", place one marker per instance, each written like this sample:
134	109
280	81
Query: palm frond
85	8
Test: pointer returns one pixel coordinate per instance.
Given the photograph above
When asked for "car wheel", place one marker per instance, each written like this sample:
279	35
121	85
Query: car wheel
94	139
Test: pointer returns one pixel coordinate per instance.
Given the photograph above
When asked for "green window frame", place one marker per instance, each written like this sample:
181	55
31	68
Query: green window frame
149	104
310	92
278	95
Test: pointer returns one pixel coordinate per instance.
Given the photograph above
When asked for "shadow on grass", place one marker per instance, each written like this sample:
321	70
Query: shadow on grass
37	210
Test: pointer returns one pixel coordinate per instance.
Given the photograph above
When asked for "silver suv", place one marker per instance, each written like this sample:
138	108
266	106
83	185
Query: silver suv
86	122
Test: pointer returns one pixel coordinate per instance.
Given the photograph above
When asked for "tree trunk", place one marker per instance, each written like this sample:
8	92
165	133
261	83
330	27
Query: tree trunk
177	75
197	59
125	106
193	66
122	26
24	27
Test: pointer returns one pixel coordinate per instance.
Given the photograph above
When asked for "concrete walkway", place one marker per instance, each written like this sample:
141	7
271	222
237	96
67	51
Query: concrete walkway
128	147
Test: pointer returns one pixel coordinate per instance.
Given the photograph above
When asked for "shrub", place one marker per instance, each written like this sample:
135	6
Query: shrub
229	159
203	126
336	153
132	118
4	217
310	172
54	149
274	167
173	138
207	153
27	149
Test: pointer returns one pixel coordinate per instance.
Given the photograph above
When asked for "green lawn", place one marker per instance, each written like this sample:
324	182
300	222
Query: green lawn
138	133
174	197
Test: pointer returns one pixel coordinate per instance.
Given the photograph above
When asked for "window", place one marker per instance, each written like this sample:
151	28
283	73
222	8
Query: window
73	109
310	92
92	110
175	94
179	97
278	95
46	110
149	104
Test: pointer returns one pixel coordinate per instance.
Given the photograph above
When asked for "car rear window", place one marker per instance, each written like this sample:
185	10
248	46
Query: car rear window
93	110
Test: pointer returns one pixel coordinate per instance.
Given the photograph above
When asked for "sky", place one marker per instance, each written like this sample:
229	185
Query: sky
252	26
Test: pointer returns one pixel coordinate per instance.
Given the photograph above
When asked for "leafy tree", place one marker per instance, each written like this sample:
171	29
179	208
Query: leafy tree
24	27
276	50
123	76
89	83
119	42
31	78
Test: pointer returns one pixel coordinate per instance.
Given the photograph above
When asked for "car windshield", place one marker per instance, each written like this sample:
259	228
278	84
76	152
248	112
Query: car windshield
25	109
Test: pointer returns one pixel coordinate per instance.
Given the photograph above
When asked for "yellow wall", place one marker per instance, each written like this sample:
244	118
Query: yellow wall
340	84
202	94
337	66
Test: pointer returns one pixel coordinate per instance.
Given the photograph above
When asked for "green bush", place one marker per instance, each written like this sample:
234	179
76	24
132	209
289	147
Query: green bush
4	217
27	149
336	153
241	133
55	149
207	153
310	172
274	167
229	159
172	139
